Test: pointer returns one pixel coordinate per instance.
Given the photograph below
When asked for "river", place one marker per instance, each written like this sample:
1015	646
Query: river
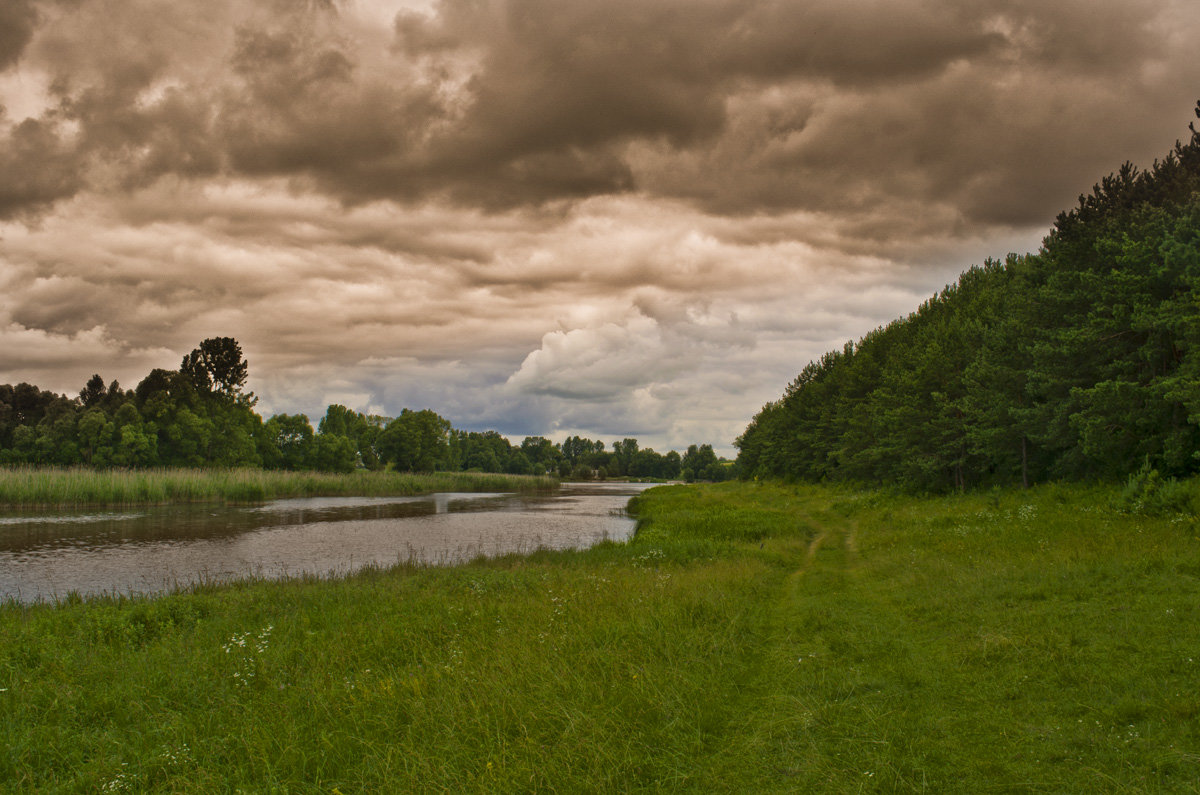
46	556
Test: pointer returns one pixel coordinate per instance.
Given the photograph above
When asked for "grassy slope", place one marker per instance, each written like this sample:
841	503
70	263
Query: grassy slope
22	487
752	638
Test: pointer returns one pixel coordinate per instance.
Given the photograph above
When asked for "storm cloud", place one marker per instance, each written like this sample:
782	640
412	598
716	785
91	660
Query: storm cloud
546	217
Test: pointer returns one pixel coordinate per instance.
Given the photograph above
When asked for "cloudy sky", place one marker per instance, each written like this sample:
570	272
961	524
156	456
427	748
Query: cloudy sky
605	217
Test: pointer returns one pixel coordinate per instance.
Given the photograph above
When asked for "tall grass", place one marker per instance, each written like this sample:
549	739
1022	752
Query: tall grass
43	486
750	638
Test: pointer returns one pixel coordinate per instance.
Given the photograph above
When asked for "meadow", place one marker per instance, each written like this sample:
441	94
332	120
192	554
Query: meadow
24	487
750	638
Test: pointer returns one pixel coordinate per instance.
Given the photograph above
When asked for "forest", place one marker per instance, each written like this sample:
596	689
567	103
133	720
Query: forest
201	416
1079	362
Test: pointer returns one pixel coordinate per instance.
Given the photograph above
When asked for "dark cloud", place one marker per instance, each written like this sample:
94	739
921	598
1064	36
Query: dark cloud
17	21
37	168
100	129
1080	36
850	43
297	107
739	105
586	78
63	305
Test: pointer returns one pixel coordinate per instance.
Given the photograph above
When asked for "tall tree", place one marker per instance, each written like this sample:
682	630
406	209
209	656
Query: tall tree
217	366
92	392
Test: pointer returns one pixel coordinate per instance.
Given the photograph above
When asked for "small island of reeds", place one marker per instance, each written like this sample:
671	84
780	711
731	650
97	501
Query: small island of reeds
24	487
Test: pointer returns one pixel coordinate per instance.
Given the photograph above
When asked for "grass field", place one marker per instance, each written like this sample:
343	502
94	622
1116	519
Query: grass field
751	638
23	487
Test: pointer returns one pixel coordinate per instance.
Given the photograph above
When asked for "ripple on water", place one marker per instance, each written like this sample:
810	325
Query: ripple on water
88	518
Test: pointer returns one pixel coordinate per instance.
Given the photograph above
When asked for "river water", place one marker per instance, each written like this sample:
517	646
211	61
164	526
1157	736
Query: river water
45	556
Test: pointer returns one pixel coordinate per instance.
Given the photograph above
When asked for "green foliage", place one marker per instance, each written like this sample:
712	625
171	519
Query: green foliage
288	442
333	453
718	513
1149	493
92	392
347	438
542	455
1076	362
217	367
416	441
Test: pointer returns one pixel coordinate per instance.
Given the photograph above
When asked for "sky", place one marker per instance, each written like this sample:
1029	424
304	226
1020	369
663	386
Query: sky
610	218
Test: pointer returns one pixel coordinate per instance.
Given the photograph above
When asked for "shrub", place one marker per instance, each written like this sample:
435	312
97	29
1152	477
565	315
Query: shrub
1147	492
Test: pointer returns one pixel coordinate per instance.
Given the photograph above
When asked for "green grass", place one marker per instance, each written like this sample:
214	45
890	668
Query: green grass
751	638
22	487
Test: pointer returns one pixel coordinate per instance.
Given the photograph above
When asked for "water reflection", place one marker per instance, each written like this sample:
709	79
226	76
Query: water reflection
47	555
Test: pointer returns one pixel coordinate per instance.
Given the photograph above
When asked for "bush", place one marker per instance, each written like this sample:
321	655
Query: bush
1147	492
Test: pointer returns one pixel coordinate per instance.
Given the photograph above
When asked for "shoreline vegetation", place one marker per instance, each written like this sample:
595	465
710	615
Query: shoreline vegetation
200	416
750	637
78	487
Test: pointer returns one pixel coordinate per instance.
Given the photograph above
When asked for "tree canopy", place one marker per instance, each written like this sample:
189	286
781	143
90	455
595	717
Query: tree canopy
1079	361
217	366
200	416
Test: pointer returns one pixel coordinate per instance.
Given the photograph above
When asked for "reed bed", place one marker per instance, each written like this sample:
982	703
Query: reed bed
26	487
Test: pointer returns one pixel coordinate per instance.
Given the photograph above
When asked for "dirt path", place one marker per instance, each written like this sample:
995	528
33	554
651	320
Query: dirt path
814	547
848	534
851	543
783	656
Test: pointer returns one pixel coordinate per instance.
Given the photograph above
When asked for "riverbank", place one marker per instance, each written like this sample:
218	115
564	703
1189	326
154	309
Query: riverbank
30	487
750	638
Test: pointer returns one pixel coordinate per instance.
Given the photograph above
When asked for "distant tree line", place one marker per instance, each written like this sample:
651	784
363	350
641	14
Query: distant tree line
201	416
1080	361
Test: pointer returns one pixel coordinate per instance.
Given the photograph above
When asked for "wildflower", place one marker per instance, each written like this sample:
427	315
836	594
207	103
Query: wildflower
249	652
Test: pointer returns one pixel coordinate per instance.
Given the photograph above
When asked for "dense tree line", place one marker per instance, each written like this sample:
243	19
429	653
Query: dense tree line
1079	361
201	416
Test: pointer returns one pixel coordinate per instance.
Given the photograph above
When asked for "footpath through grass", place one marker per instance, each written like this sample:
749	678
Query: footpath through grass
24	487
750	639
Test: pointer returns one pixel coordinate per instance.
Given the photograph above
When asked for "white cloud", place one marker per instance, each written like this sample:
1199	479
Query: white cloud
600	363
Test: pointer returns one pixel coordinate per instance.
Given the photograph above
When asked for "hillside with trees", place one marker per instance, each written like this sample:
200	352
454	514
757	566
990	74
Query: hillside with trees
1080	361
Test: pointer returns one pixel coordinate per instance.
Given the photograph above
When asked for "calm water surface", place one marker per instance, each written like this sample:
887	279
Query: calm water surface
44	556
